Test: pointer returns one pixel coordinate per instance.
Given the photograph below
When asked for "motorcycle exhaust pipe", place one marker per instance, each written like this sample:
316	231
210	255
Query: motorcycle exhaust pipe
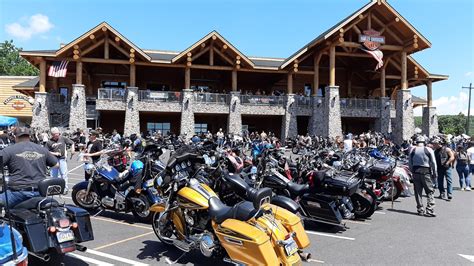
81	248
44	257
305	256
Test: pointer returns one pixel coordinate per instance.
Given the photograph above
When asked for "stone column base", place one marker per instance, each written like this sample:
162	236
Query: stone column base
332	119
40	116
132	114
77	113
384	123
187	114
289	125
234	123
405	123
430	121
316	122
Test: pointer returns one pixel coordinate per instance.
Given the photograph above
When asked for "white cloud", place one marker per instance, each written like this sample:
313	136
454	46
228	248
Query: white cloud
449	105
468	74
35	24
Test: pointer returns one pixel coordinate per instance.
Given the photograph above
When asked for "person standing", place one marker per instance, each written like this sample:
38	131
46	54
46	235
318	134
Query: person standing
348	143
116	137
470	153
26	162
422	164
444	161
220	137
57	146
94	150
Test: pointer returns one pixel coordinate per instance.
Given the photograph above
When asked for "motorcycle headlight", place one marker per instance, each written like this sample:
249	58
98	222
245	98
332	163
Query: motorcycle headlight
175	187
89	168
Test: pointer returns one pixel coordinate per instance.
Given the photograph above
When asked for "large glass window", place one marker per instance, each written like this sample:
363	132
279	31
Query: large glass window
154	127
200	128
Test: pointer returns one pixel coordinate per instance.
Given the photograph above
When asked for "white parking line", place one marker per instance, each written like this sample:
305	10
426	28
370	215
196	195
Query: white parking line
76	175
356	222
89	260
119	222
317	261
329	235
467	257
379	212
117	258
77	167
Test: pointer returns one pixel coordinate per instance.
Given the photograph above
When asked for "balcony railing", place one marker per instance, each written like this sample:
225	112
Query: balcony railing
364	104
262	100
159	96
111	94
212	98
302	101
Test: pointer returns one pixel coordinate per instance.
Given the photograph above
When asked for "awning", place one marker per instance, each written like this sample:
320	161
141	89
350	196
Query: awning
6	121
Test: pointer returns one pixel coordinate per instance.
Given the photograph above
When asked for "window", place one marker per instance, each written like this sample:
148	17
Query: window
163	127
63	92
200	128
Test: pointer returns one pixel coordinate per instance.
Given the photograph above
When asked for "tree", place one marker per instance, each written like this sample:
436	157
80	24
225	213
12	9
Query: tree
12	64
452	124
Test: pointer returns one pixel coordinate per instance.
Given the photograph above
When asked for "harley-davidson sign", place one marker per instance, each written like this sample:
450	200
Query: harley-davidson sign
18	101
371	39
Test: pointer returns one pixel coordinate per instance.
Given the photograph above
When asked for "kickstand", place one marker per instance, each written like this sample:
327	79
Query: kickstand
99	212
170	262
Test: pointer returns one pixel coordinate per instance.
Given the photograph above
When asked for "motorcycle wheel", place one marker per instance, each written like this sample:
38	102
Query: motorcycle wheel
162	226
142	213
363	207
396	193
87	202
295	150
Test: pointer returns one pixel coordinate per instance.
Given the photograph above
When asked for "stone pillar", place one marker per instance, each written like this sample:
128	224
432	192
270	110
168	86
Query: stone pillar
383	123
77	113
132	114
187	114
430	121
332	124
289	127
40	118
234	123
316	122
405	124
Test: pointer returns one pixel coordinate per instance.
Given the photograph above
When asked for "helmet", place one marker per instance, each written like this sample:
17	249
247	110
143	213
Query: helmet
420	139
136	167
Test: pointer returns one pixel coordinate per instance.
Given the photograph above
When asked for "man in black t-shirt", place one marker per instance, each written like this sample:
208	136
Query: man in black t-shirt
94	149
26	162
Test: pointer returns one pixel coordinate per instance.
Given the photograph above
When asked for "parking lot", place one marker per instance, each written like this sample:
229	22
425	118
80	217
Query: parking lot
393	236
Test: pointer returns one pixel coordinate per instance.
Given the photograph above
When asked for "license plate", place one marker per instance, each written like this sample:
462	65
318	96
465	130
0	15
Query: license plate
65	236
291	248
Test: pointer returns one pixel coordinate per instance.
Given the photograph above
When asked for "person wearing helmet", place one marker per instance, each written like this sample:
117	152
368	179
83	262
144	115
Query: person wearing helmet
444	159
423	166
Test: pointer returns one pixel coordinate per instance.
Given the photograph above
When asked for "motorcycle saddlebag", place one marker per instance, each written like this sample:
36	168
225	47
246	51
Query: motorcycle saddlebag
292	223
84	227
245	243
380	168
340	185
321	207
32	229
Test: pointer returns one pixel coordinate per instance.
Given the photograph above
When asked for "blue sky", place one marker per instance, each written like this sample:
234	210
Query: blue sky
256	27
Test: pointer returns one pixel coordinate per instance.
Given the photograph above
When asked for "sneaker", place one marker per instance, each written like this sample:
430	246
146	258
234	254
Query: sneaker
421	213
430	214
442	196
468	189
450	197
462	189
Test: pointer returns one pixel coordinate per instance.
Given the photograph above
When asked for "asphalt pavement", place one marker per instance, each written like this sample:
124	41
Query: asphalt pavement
392	236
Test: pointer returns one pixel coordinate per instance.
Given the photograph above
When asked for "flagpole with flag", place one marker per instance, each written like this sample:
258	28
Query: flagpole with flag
58	69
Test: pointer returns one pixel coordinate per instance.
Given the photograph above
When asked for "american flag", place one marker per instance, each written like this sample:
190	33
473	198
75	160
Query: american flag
377	54
58	69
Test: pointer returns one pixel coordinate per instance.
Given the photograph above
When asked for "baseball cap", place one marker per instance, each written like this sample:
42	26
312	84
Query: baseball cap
54	130
93	132
21	131
420	139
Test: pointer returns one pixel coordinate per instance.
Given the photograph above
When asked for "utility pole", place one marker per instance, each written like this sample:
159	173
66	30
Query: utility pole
468	108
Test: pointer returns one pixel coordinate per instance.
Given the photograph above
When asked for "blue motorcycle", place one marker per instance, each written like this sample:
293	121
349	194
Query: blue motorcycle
129	191
10	255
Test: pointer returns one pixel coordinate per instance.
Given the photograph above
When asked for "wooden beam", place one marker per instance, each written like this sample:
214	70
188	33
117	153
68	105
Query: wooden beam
224	68
353	54
369	21
383	47
211	54
42	85
92	47
133	75
404	81
361	17
224	56
79	72
187	78
106	47
382	82
316	60
356	29
200	53
120	49
395	36
332	66
388	25
289	83
429	92
234	80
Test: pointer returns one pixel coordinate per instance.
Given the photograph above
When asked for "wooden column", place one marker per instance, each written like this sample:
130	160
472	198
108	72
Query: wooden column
106	48
211	54
404	71
429	93
133	75
317	58
382	82
234	79
290	83
332	66
79	72
187	78
42	86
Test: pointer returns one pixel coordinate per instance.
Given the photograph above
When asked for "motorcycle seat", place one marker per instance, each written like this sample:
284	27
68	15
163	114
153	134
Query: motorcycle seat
33	203
297	189
219	212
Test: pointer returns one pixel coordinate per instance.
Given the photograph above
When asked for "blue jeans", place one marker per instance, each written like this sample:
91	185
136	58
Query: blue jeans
61	171
463	173
442	173
15	197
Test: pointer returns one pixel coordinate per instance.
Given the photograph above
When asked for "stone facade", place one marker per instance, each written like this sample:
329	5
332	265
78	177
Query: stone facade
77	114
187	114
405	123
289	127
111	105
40	118
316	122
430	121
234	123
332	124
383	123
132	114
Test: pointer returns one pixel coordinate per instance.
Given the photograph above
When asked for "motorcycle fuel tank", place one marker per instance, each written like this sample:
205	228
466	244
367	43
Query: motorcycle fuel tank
195	196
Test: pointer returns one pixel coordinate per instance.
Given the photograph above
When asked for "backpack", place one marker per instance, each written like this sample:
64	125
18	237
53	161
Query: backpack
462	157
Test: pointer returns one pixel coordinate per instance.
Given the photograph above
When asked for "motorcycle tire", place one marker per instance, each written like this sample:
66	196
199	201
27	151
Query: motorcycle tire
363	207
155	225
143	216
397	192
295	150
88	206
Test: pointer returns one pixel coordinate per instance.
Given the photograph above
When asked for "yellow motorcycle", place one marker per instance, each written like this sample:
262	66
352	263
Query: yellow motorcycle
250	233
